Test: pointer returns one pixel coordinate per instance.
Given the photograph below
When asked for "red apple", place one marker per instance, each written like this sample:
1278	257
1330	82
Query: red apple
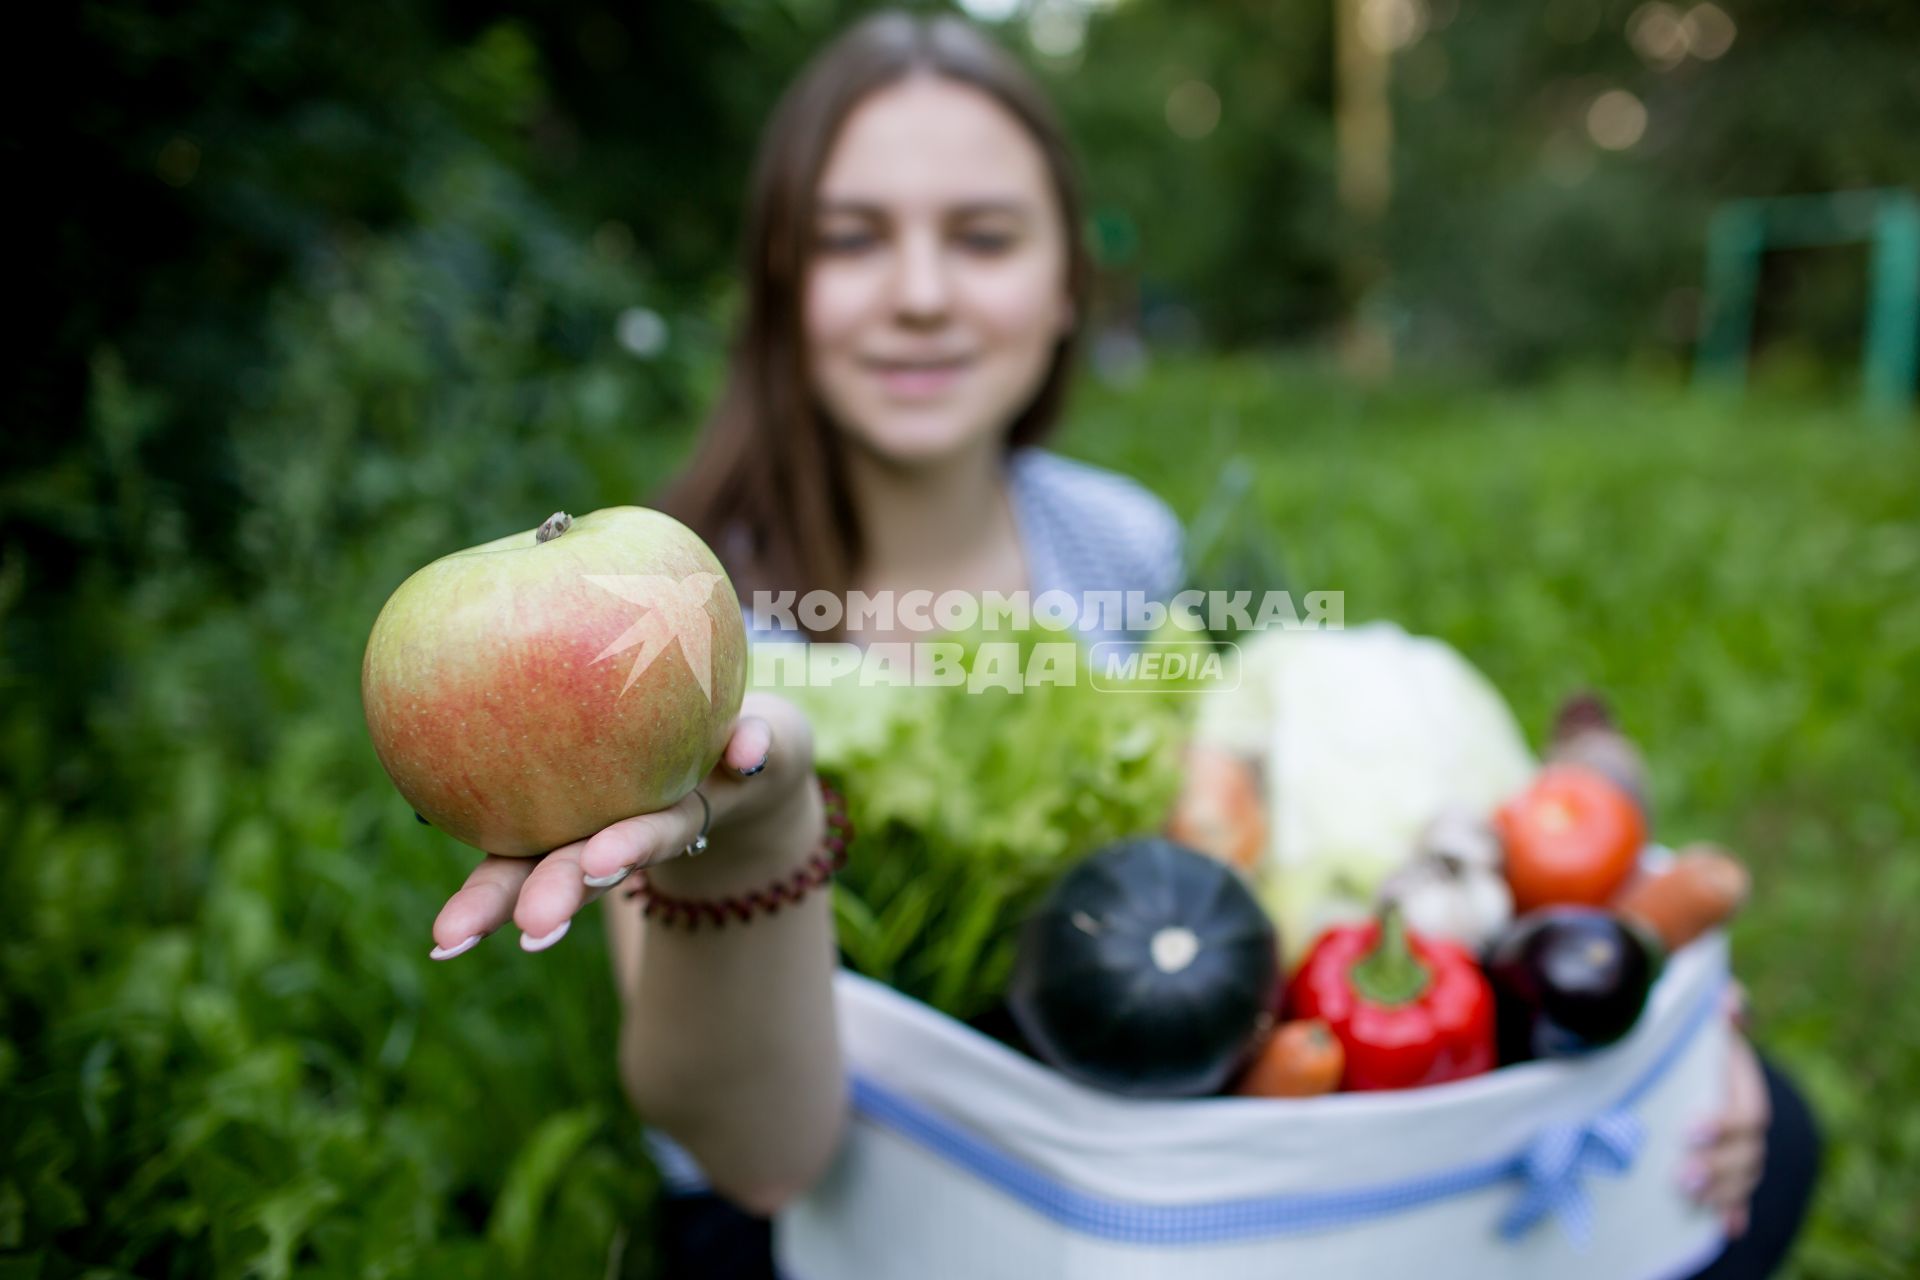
531	690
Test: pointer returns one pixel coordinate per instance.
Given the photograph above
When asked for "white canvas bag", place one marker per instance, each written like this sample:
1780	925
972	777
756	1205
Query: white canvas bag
965	1160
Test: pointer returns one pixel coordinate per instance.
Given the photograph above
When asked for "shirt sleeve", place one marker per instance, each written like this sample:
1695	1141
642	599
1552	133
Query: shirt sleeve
1087	529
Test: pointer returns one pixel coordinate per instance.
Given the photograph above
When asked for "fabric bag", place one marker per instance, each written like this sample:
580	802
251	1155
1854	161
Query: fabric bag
966	1160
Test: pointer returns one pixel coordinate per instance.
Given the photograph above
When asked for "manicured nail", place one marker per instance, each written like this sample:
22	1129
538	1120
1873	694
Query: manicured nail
1693	1179
458	949
541	944
748	773
607	882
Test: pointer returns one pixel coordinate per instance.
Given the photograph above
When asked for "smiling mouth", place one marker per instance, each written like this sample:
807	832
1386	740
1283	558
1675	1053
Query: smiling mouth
918	366
918	381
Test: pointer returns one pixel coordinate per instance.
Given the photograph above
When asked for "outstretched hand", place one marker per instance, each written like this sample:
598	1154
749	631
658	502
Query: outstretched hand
769	753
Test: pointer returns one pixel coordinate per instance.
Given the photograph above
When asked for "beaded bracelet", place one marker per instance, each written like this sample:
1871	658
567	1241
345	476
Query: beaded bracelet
819	867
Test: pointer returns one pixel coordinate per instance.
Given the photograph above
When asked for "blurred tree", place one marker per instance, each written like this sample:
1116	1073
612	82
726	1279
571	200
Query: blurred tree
1213	135
1554	164
226	193
1559	161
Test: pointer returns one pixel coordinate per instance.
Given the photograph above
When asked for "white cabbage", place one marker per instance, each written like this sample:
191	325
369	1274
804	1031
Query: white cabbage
1364	735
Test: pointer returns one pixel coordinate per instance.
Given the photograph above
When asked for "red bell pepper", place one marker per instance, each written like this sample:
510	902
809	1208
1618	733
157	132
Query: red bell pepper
1409	1010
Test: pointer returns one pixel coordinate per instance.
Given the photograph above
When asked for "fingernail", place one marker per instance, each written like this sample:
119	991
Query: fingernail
1693	1179
748	773
458	949
607	882
542	943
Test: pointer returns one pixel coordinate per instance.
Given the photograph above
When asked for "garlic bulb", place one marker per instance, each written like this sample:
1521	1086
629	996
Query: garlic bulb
1463	835
1443	897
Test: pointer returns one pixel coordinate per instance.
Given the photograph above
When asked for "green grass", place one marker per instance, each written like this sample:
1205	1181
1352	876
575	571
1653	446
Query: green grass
226	1054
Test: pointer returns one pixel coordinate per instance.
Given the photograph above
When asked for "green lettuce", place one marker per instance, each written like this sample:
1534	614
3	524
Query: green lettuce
968	803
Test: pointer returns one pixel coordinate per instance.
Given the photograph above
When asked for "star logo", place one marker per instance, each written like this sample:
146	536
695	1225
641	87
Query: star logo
674	611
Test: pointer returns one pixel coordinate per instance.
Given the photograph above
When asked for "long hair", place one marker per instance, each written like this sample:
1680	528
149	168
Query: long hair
767	485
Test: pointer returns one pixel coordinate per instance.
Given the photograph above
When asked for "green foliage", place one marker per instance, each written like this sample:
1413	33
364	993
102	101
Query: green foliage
1256	188
224	1051
1514	241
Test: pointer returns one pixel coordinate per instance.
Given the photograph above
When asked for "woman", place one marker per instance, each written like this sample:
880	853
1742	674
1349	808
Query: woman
915	288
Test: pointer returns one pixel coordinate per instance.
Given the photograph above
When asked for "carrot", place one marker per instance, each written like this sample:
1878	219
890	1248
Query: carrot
1219	811
1703	889
1301	1059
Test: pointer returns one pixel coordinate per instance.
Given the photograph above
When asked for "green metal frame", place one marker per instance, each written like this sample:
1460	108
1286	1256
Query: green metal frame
1743	231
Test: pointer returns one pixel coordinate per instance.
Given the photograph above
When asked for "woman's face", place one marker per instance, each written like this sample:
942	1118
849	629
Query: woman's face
936	289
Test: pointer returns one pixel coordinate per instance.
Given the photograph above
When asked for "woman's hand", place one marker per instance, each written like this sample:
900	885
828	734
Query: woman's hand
767	759
1730	1150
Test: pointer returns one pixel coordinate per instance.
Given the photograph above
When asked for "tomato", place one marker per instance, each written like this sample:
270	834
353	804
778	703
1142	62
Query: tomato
1573	836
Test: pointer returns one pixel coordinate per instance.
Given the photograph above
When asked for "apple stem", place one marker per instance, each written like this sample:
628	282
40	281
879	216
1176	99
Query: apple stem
556	524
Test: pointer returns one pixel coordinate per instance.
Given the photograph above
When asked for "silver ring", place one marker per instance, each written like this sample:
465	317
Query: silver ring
699	845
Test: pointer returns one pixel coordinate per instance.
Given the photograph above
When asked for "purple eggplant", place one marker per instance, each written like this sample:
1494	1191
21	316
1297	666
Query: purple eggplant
1567	980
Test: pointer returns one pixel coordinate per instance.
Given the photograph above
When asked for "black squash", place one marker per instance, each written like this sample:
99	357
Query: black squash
1149	970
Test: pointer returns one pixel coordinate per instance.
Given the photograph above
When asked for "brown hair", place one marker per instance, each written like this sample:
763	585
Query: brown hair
767	484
